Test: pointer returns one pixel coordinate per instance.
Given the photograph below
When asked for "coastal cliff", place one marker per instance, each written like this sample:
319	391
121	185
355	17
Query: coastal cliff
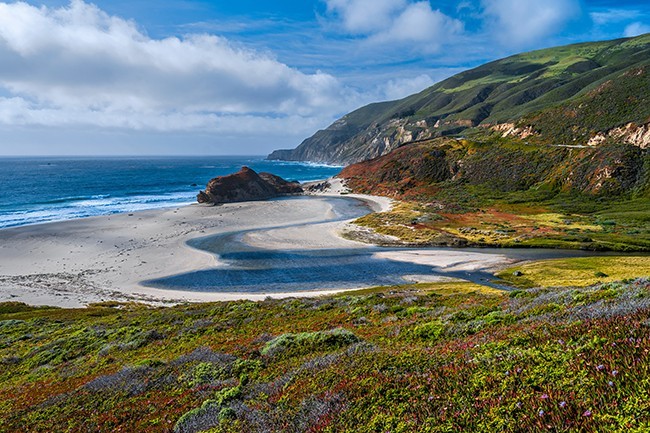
246	185
583	94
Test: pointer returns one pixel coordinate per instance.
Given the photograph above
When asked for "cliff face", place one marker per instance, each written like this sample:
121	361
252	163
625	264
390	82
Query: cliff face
540	94
246	185
425	169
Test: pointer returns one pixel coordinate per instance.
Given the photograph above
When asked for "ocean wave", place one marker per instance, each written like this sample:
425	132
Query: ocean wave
102	205
304	163
72	199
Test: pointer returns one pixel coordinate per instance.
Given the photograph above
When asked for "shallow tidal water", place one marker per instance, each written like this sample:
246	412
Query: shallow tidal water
248	269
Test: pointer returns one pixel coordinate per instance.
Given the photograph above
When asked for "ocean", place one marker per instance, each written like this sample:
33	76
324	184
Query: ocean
44	189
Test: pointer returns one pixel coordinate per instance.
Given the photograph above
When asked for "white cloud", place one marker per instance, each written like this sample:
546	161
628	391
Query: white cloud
636	29
77	65
608	16
519	23
402	87
396	22
364	16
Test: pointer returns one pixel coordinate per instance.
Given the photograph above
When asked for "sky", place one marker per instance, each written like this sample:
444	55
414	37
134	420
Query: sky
245	77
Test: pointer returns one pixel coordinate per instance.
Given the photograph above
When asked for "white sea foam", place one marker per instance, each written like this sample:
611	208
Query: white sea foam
77	207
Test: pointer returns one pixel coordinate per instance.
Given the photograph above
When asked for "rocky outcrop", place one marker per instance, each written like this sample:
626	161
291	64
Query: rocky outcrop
510	129
636	135
246	185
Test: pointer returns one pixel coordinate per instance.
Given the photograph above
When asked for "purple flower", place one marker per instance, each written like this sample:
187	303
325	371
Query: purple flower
541	412
614	372
587	413
518	405
601	367
544	396
610	383
563	404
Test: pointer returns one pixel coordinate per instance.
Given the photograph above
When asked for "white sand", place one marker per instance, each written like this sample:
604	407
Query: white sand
74	263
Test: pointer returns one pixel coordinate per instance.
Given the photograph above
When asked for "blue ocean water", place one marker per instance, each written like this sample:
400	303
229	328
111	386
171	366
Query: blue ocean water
45	189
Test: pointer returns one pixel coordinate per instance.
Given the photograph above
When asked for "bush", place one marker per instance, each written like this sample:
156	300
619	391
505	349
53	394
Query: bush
200	418
305	342
429	331
206	372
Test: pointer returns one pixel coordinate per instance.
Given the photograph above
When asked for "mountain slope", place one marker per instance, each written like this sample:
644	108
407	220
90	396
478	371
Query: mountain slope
515	91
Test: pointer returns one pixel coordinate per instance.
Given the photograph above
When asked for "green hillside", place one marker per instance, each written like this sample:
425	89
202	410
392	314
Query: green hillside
514	89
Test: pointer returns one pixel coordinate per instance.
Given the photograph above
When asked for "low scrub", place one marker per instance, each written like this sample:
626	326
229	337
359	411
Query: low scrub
307	342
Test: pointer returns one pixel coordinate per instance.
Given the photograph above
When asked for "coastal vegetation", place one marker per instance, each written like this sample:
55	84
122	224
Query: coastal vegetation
507	193
564	351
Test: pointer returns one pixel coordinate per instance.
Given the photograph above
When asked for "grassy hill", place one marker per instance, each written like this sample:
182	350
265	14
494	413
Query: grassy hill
568	355
522	89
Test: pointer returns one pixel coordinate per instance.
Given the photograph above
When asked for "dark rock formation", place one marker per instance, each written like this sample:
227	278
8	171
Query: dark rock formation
246	185
317	187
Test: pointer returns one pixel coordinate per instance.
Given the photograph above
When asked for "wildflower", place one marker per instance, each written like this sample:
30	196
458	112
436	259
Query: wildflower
518	405
507	373
561	342
587	413
610	383
614	372
430	398
541	412
544	396
563	404
601	367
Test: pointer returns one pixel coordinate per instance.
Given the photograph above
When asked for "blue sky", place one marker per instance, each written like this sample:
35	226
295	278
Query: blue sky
247	77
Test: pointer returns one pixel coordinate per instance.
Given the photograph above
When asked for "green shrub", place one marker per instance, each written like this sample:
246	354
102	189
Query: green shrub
206	372
305	342
247	367
429	331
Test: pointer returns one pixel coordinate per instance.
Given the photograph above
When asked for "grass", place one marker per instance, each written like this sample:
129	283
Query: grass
578	272
499	223
426	357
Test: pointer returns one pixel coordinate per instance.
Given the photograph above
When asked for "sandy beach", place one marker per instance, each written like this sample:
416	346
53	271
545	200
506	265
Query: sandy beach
77	262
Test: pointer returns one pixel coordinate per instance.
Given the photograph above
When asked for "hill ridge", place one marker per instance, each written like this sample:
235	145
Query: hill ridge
517	89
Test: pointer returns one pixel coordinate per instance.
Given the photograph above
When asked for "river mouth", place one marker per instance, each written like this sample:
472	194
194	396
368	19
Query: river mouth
310	257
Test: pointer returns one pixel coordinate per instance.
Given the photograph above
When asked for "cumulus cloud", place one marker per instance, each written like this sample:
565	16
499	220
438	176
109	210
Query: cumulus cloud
79	65
396	22
365	16
402	87
636	29
519	23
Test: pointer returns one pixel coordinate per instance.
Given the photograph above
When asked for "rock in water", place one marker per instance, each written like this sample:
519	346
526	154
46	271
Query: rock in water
246	185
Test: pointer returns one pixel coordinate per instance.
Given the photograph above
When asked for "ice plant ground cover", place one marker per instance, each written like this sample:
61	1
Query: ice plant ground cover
430	358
